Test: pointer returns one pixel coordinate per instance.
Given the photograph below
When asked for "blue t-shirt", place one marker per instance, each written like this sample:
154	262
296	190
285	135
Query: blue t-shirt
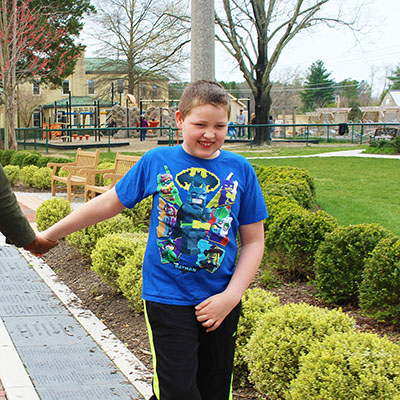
198	205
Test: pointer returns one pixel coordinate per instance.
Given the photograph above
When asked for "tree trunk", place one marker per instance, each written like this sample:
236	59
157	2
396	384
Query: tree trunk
10	140
262	110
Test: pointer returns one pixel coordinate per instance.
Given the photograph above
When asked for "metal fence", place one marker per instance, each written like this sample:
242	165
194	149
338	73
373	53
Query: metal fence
357	133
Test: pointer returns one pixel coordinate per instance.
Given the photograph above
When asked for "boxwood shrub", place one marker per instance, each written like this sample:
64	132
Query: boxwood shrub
100	177
13	173
51	211
380	288
85	239
284	173
26	174
130	278
18	157
140	214
340	258
255	303
291	182
31	159
111	253
5	156
282	336
293	238
41	178
349	366
277	204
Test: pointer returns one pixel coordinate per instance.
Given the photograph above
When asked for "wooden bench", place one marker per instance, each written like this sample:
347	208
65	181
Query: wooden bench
122	165
77	172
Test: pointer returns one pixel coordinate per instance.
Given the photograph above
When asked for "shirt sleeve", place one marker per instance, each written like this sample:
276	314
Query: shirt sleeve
13	223
134	187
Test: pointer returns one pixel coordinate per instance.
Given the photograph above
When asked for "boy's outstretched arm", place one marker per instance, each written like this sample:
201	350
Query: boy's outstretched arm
100	208
212	311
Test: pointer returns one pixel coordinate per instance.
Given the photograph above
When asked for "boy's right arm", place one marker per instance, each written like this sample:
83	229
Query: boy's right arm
100	208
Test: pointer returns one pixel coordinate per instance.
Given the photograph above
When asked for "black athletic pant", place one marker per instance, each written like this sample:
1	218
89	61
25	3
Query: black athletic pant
189	363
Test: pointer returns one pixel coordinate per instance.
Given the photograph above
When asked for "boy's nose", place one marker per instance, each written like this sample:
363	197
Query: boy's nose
209	133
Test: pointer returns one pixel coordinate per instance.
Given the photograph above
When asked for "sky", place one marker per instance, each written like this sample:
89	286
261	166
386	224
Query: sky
372	55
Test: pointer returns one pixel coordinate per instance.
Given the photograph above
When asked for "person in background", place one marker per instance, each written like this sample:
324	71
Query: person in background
241	120
143	132
232	130
13	223
193	281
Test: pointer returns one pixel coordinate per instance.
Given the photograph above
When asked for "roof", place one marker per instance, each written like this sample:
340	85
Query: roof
396	96
79	101
104	64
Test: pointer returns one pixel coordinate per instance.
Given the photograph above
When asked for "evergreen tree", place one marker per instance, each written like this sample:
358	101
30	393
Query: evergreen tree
318	89
395	79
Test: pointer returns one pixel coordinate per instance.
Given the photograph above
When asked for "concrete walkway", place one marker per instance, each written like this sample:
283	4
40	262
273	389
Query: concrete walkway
50	346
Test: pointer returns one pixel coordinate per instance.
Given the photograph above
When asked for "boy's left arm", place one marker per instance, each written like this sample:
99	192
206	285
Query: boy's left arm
212	311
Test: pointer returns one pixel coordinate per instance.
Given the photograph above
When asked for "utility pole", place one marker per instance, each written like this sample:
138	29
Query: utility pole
202	40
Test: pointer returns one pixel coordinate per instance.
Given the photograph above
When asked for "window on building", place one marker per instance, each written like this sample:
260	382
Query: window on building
120	86
36	119
90	86
143	91
36	88
154	91
61	117
65	87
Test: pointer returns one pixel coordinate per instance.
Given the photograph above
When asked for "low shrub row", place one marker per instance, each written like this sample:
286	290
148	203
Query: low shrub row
24	158
30	175
298	351
391	146
340	261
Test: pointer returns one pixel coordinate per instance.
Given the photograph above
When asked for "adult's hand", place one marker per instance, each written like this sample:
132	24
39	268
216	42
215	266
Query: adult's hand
41	245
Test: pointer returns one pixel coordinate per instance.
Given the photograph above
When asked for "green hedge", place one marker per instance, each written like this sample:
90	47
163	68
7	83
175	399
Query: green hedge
380	288
294	183
293	238
282	337
13	173
349	366
130	278
111	253
51	211
85	240
340	259
255	303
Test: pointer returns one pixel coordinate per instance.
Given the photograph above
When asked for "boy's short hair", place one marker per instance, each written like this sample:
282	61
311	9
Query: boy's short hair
204	92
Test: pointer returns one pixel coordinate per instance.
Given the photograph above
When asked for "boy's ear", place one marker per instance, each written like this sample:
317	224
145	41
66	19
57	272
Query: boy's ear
179	119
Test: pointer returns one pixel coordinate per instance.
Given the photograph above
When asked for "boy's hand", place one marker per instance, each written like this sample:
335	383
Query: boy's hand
41	245
212	311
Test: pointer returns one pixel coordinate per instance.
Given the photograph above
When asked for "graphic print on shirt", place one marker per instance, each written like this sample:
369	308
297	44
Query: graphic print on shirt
192	233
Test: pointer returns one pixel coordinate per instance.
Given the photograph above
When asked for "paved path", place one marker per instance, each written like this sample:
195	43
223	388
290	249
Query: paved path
344	153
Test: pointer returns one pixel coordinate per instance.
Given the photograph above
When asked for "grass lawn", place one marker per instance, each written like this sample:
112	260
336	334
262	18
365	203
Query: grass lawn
354	190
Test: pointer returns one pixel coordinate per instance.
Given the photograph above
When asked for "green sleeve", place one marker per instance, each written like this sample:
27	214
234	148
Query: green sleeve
13	224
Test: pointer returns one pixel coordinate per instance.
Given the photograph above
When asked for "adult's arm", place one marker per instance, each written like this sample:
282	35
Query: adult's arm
13	223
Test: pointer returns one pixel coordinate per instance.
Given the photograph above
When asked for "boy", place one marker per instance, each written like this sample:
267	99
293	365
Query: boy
191	287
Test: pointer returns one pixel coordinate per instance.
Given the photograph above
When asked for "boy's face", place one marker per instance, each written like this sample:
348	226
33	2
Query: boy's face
204	130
